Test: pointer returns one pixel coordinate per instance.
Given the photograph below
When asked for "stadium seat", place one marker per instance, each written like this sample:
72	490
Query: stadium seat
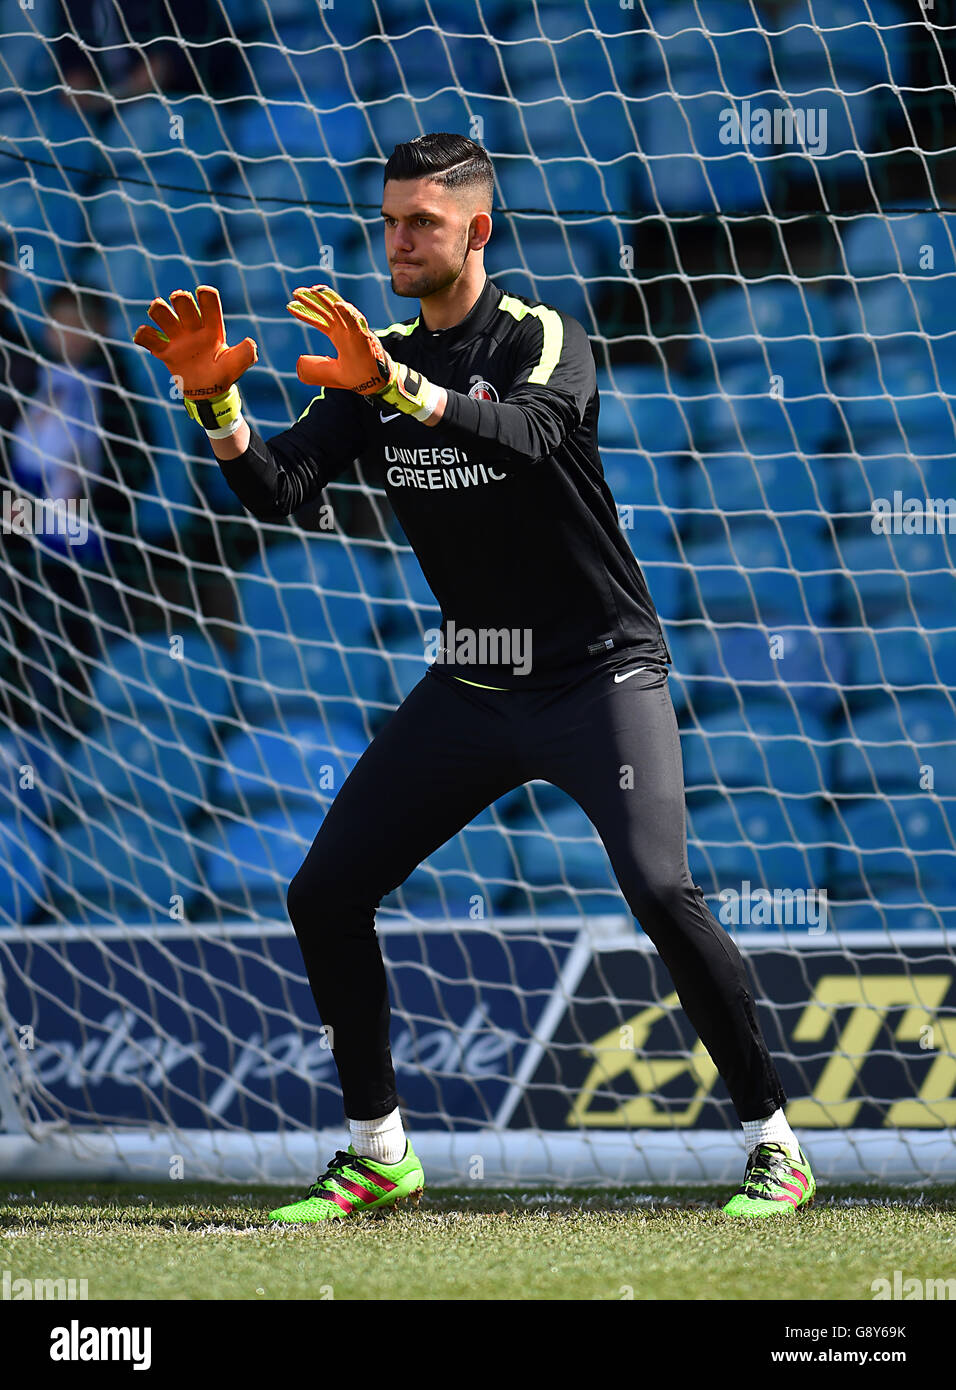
247	866
786	328
888	749
296	760
770	743
718	663
739	413
900	658
560	847
676	52
644	407
902	845
638	480
296	673
319	587
765	483
475	862
899	580
901	393
652	536
783	568
764	837
138	763
858	43
140	678
19	749
120	860
687	167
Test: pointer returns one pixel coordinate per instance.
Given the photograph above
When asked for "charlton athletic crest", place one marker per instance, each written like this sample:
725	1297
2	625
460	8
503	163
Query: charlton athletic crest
482	390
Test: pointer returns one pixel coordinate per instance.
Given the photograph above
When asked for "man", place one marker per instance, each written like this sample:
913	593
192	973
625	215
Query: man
490	404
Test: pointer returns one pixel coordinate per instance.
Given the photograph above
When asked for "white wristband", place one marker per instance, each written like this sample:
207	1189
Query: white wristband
228	430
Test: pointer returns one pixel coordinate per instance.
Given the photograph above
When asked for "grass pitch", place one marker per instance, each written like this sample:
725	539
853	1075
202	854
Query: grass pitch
207	1241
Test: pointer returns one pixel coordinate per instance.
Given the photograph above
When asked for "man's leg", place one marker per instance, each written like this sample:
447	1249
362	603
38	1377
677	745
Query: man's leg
439	761
616	750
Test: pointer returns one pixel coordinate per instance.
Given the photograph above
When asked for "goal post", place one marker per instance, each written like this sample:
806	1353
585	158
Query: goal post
742	203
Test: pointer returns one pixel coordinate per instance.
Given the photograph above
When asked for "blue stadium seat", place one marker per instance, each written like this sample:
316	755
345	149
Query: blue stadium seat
812	664
288	128
795	326
19	749
123	859
894	304
770	743
880	470
900	580
688	169
305	61
764	837
475	862
139	764
901	658
894	243
56	213
738	412
741	482
560	847
638	480
785	587
898	398
292	673
651	536
28	59
24	851
314	586
644	407
248	866
856	43
888	748
296	760
903	845
726	54
141	678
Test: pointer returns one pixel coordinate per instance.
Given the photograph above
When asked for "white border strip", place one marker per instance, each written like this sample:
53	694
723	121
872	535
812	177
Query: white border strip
605	932
508	1158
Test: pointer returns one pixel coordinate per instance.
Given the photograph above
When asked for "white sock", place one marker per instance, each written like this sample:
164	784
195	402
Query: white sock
773	1130
382	1139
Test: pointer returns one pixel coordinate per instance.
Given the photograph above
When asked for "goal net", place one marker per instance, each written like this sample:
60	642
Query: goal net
741	202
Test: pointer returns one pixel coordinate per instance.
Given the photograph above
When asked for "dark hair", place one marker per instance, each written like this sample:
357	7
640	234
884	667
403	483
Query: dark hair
453	161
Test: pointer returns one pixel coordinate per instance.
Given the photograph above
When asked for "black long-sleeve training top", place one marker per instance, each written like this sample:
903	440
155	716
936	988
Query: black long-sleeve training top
504	501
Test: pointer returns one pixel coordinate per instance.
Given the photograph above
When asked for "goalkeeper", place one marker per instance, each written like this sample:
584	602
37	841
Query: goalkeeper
480	416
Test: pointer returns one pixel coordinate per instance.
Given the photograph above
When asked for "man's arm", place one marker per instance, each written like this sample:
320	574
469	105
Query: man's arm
274	478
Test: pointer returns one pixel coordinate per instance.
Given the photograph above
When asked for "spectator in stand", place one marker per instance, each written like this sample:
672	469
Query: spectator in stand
74	444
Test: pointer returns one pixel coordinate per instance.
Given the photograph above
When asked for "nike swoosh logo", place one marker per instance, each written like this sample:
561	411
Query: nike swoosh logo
628	674
393	416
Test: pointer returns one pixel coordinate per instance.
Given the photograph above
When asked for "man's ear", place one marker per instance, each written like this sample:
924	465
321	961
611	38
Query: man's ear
480	231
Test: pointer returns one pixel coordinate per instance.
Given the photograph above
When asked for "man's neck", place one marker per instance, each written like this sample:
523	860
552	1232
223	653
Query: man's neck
451	305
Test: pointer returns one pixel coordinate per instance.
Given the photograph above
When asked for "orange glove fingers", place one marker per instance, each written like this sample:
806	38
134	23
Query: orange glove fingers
187	311
165	318
210	307
151	339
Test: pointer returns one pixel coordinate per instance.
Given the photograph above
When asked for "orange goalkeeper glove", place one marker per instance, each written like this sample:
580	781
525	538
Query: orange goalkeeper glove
191	342
362	364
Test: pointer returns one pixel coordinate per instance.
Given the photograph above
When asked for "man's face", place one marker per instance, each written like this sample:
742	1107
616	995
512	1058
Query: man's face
426	235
